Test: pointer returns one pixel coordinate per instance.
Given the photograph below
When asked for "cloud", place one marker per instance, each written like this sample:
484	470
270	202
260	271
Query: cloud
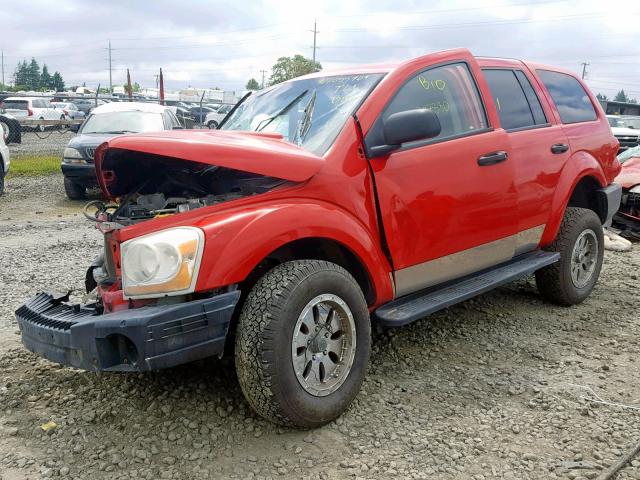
215	43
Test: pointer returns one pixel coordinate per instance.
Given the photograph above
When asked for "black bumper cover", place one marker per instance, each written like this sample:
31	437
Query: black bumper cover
141	339
609	197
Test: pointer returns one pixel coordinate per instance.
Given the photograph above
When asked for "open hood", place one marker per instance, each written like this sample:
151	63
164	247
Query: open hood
260	153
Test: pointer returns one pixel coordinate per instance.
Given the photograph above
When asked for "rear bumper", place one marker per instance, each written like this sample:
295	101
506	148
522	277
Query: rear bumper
609	197
141	339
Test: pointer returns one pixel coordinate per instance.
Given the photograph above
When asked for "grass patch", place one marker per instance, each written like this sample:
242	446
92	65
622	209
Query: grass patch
34	165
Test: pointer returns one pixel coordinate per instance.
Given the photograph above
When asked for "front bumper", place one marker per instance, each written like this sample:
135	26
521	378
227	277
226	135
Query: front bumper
83	173
140	339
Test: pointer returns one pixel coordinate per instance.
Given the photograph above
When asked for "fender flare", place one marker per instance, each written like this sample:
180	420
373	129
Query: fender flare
237	242
580	165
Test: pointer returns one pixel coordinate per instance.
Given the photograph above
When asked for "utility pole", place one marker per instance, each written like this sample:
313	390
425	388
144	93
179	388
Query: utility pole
584	69
2	68
315	33
110	81
263	72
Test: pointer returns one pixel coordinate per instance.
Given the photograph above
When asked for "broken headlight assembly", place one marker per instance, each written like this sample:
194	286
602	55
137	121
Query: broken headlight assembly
164	263
72	155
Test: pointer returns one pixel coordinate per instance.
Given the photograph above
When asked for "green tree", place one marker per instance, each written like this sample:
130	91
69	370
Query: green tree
291	67
135	87
57	83
20	75
602	97
621	96
46	82
252	84
33	75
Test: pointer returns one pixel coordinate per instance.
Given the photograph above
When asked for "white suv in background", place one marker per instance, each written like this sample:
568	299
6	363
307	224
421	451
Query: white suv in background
32	108
623	130
4	163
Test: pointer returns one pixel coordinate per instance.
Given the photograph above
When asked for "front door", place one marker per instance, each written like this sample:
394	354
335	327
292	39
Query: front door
448	205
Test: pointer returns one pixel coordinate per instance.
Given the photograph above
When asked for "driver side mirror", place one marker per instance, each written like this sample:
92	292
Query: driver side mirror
407	126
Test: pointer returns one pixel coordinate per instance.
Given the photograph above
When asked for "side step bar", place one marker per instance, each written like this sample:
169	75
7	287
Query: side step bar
418	305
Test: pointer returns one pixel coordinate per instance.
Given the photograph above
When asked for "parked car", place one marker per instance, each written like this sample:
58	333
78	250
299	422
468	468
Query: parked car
329	201
70	110
628	216
31	108
200	113
628	137
85	105
213	119
103	123
5	163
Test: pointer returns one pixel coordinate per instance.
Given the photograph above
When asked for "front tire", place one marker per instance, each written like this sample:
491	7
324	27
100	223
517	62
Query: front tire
212	125
74	190
302	343
580	243
1	177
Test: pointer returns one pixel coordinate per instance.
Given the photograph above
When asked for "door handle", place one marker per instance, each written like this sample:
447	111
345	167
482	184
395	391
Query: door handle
559	148
492	158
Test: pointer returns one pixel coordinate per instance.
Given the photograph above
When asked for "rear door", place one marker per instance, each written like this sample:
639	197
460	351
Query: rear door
539	145
448	205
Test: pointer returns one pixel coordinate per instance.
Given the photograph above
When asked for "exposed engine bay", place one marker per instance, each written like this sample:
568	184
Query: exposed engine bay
153	186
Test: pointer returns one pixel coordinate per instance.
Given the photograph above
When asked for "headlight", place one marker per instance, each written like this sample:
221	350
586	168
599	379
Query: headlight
162	264
71	155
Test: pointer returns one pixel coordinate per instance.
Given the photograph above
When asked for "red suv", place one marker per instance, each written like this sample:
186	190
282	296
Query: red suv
378	194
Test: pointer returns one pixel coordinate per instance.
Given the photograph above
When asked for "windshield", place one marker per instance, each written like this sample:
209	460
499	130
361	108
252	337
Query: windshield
632	123
309	112
616	122
123	122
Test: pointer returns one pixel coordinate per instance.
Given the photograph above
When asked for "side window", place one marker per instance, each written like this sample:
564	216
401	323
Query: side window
448	91
534	101
515	107
570	98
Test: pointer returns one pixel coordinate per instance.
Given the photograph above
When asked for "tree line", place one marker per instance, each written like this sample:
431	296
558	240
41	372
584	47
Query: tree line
29	76
621	96
287	68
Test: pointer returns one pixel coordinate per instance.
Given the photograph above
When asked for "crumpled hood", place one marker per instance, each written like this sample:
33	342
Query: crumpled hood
630	174
261	153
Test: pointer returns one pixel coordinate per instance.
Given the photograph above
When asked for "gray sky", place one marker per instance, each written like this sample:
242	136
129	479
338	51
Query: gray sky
212	43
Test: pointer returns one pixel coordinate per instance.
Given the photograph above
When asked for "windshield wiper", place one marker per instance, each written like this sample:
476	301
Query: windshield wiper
305	122
233	110
116	132
261	127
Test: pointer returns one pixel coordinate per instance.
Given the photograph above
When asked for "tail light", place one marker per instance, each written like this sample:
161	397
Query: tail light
29	112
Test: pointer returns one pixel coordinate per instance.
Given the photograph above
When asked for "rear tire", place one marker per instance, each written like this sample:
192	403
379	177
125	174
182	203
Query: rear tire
74	191
212	125
580	243
1	177
302	343
41	128
5	130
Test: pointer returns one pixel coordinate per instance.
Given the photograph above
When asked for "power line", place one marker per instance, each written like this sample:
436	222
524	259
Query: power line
315	33
584	69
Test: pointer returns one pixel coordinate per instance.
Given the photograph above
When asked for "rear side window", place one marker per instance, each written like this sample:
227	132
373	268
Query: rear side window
15	104
570	98
448	91
509	98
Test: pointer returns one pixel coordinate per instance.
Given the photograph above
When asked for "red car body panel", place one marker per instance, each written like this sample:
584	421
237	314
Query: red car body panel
263	153
427	210
630	174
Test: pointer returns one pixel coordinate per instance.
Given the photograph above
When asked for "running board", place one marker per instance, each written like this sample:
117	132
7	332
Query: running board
418	305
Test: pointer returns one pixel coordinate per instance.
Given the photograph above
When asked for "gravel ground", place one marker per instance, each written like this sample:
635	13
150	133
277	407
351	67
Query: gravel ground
50	142
493	388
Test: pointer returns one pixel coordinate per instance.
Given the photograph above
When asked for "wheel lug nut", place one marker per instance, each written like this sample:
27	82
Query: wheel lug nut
326	335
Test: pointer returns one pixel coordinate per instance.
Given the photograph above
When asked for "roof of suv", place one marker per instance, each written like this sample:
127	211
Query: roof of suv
129	107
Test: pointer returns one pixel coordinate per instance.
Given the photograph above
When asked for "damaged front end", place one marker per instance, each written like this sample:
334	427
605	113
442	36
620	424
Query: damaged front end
627	218
142	310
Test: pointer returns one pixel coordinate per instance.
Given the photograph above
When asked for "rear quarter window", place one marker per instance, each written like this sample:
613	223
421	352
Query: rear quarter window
571	99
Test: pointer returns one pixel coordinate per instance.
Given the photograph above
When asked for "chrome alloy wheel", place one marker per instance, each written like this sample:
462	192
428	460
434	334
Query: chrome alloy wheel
323	345
584	258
